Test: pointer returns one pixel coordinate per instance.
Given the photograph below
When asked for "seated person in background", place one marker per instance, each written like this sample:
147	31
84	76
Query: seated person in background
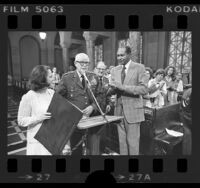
157	90
186	118
170	78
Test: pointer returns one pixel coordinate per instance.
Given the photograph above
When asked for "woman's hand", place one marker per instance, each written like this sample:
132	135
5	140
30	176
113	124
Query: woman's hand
44	116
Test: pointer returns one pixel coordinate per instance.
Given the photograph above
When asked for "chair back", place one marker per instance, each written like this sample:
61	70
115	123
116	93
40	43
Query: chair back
166	117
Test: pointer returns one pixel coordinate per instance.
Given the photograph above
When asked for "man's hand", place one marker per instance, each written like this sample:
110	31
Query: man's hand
112	85
87	111
116	85
108	108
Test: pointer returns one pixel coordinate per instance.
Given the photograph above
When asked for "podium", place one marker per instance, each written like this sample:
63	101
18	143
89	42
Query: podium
93	127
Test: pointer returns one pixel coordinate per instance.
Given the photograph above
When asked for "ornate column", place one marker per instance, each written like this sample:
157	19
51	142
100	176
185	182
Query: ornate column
90	38
50	48
65	42
134	40
15	55
44	52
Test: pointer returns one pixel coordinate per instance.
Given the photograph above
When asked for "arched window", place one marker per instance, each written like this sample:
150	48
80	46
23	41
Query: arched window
29	55
58	54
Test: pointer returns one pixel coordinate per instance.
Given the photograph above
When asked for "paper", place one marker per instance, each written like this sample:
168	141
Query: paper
174	133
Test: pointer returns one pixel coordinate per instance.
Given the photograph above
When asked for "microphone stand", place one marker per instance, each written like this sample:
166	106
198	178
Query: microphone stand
98	106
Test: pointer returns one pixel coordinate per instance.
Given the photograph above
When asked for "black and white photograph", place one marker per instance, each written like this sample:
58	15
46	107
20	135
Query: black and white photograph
99	93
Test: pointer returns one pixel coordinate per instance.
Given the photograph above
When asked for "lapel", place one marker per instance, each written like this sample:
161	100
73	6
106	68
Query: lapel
118	74
104	80
77	79
130	72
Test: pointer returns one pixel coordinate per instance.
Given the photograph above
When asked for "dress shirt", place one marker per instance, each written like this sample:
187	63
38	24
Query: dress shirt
127	66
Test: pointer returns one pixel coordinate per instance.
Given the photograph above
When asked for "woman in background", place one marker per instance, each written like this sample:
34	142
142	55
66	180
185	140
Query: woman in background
178	88
157	89
146	98
170	80
33	107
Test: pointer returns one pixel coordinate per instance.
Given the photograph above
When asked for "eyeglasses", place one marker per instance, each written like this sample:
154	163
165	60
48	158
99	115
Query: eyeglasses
83	63
118	55
101	69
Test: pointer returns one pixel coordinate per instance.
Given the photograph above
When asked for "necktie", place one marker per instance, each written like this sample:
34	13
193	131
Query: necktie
123	74
100	83
83	81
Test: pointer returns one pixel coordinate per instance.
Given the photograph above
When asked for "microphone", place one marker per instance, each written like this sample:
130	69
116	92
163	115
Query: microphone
99	108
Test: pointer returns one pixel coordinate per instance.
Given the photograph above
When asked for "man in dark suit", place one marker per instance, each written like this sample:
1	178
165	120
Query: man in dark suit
73	86
129	82
102	88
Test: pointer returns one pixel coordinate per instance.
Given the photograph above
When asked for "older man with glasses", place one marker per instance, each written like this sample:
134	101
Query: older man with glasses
102	88
73	86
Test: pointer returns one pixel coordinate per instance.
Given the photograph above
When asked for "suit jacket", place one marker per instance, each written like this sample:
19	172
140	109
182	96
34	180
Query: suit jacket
101	93
71	88
134	86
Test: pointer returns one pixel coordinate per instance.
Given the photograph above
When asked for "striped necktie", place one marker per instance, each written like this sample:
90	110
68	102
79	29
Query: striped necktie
83	81
123	73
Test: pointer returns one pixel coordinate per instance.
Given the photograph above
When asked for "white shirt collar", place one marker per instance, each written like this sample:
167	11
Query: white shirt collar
79	75
127	66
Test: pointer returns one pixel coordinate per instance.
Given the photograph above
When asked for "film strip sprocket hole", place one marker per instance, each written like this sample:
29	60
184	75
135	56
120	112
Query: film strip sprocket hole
144	167
109	22
109	165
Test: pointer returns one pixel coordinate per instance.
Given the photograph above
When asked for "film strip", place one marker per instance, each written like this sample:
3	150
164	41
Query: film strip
161	168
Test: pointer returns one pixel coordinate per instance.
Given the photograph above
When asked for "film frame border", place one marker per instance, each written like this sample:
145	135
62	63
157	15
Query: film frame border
158	163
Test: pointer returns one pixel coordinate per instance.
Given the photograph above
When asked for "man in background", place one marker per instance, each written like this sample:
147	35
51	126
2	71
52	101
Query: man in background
102	88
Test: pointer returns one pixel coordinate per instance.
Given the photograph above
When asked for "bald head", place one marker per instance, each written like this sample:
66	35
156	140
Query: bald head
82	57
101	64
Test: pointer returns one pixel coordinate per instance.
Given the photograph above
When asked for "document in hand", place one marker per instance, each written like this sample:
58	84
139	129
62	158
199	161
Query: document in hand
55	132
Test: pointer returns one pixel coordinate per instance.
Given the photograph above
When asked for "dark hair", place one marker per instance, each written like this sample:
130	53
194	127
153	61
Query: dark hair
150	71
174	72
38	77
128	49
160	71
